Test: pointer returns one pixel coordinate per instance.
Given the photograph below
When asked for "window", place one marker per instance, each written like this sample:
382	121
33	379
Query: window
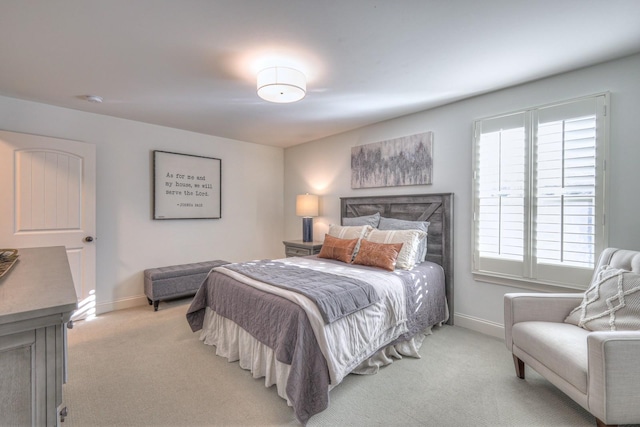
539	211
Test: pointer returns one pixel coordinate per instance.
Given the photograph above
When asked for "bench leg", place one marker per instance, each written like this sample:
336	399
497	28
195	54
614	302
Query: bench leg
149	299
155	305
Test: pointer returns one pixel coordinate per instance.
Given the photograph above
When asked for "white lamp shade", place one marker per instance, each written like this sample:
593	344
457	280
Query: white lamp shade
307	205
281	85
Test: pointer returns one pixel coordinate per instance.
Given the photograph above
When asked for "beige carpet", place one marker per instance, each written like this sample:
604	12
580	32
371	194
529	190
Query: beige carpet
138	367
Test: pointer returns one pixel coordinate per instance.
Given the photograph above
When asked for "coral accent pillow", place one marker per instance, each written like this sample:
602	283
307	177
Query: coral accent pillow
612	302
350	232
410	239
338	249
382	255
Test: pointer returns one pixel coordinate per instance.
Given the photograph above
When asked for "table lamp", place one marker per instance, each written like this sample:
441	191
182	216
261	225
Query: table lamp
307	207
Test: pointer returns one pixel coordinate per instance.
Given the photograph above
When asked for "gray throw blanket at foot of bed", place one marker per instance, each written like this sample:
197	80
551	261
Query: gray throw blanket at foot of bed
336	296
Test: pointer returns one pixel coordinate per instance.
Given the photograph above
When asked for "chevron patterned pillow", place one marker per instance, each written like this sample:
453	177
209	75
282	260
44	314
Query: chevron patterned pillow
612	302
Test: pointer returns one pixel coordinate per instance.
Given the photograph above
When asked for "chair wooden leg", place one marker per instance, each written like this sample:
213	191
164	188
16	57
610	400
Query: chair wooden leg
519	364
601	423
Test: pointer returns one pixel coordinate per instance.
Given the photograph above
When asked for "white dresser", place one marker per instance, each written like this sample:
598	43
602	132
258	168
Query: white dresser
37	298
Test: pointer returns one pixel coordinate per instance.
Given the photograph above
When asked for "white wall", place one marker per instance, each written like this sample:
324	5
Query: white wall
323	167
128	240
253	205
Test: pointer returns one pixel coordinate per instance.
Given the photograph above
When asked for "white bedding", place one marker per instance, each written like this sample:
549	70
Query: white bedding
347	342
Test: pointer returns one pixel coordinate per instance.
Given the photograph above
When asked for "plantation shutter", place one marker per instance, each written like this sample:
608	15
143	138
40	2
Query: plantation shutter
567	185
501	181
539	194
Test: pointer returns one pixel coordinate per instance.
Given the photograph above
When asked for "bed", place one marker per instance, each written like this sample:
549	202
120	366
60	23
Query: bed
306	341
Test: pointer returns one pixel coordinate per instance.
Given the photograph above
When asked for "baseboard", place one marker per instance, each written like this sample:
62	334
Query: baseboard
121	304
479	325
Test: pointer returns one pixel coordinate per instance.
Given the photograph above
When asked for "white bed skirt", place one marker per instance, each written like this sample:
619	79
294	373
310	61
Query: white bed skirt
236	344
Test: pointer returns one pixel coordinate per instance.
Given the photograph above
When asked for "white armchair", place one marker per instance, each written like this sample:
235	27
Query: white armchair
599	370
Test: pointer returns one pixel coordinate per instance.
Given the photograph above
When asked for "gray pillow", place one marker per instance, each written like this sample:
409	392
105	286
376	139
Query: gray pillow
400	224
371	220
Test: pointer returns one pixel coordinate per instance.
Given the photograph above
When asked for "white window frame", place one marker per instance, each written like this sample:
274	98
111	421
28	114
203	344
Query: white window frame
528	274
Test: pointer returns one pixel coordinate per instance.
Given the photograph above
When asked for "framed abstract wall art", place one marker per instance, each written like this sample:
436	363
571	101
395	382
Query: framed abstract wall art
395	162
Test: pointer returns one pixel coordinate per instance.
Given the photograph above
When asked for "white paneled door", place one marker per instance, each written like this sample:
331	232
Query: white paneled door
48	199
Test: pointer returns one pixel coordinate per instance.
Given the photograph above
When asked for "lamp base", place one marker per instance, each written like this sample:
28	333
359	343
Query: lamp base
307	229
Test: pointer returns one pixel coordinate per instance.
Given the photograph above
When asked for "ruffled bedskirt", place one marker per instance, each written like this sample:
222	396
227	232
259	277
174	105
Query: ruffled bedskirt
235	344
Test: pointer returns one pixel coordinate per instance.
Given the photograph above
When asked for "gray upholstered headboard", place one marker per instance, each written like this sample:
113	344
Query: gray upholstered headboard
435	208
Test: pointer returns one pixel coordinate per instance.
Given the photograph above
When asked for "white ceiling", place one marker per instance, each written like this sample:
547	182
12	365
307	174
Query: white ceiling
191	64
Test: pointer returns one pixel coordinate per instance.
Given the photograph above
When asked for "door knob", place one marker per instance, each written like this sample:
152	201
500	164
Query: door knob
88	239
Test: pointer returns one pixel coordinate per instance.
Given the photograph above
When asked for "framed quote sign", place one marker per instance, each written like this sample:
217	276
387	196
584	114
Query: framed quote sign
186	186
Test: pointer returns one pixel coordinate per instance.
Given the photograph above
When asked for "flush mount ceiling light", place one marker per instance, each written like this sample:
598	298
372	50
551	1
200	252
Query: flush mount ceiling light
281	85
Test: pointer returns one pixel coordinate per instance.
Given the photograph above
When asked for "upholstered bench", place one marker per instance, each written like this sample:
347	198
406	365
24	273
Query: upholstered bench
176	280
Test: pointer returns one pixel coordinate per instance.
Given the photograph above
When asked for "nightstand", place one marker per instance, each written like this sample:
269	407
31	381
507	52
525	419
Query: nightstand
300	248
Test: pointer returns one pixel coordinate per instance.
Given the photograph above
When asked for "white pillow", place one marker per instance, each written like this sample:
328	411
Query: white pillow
612	302
349	231
400	224
410	240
